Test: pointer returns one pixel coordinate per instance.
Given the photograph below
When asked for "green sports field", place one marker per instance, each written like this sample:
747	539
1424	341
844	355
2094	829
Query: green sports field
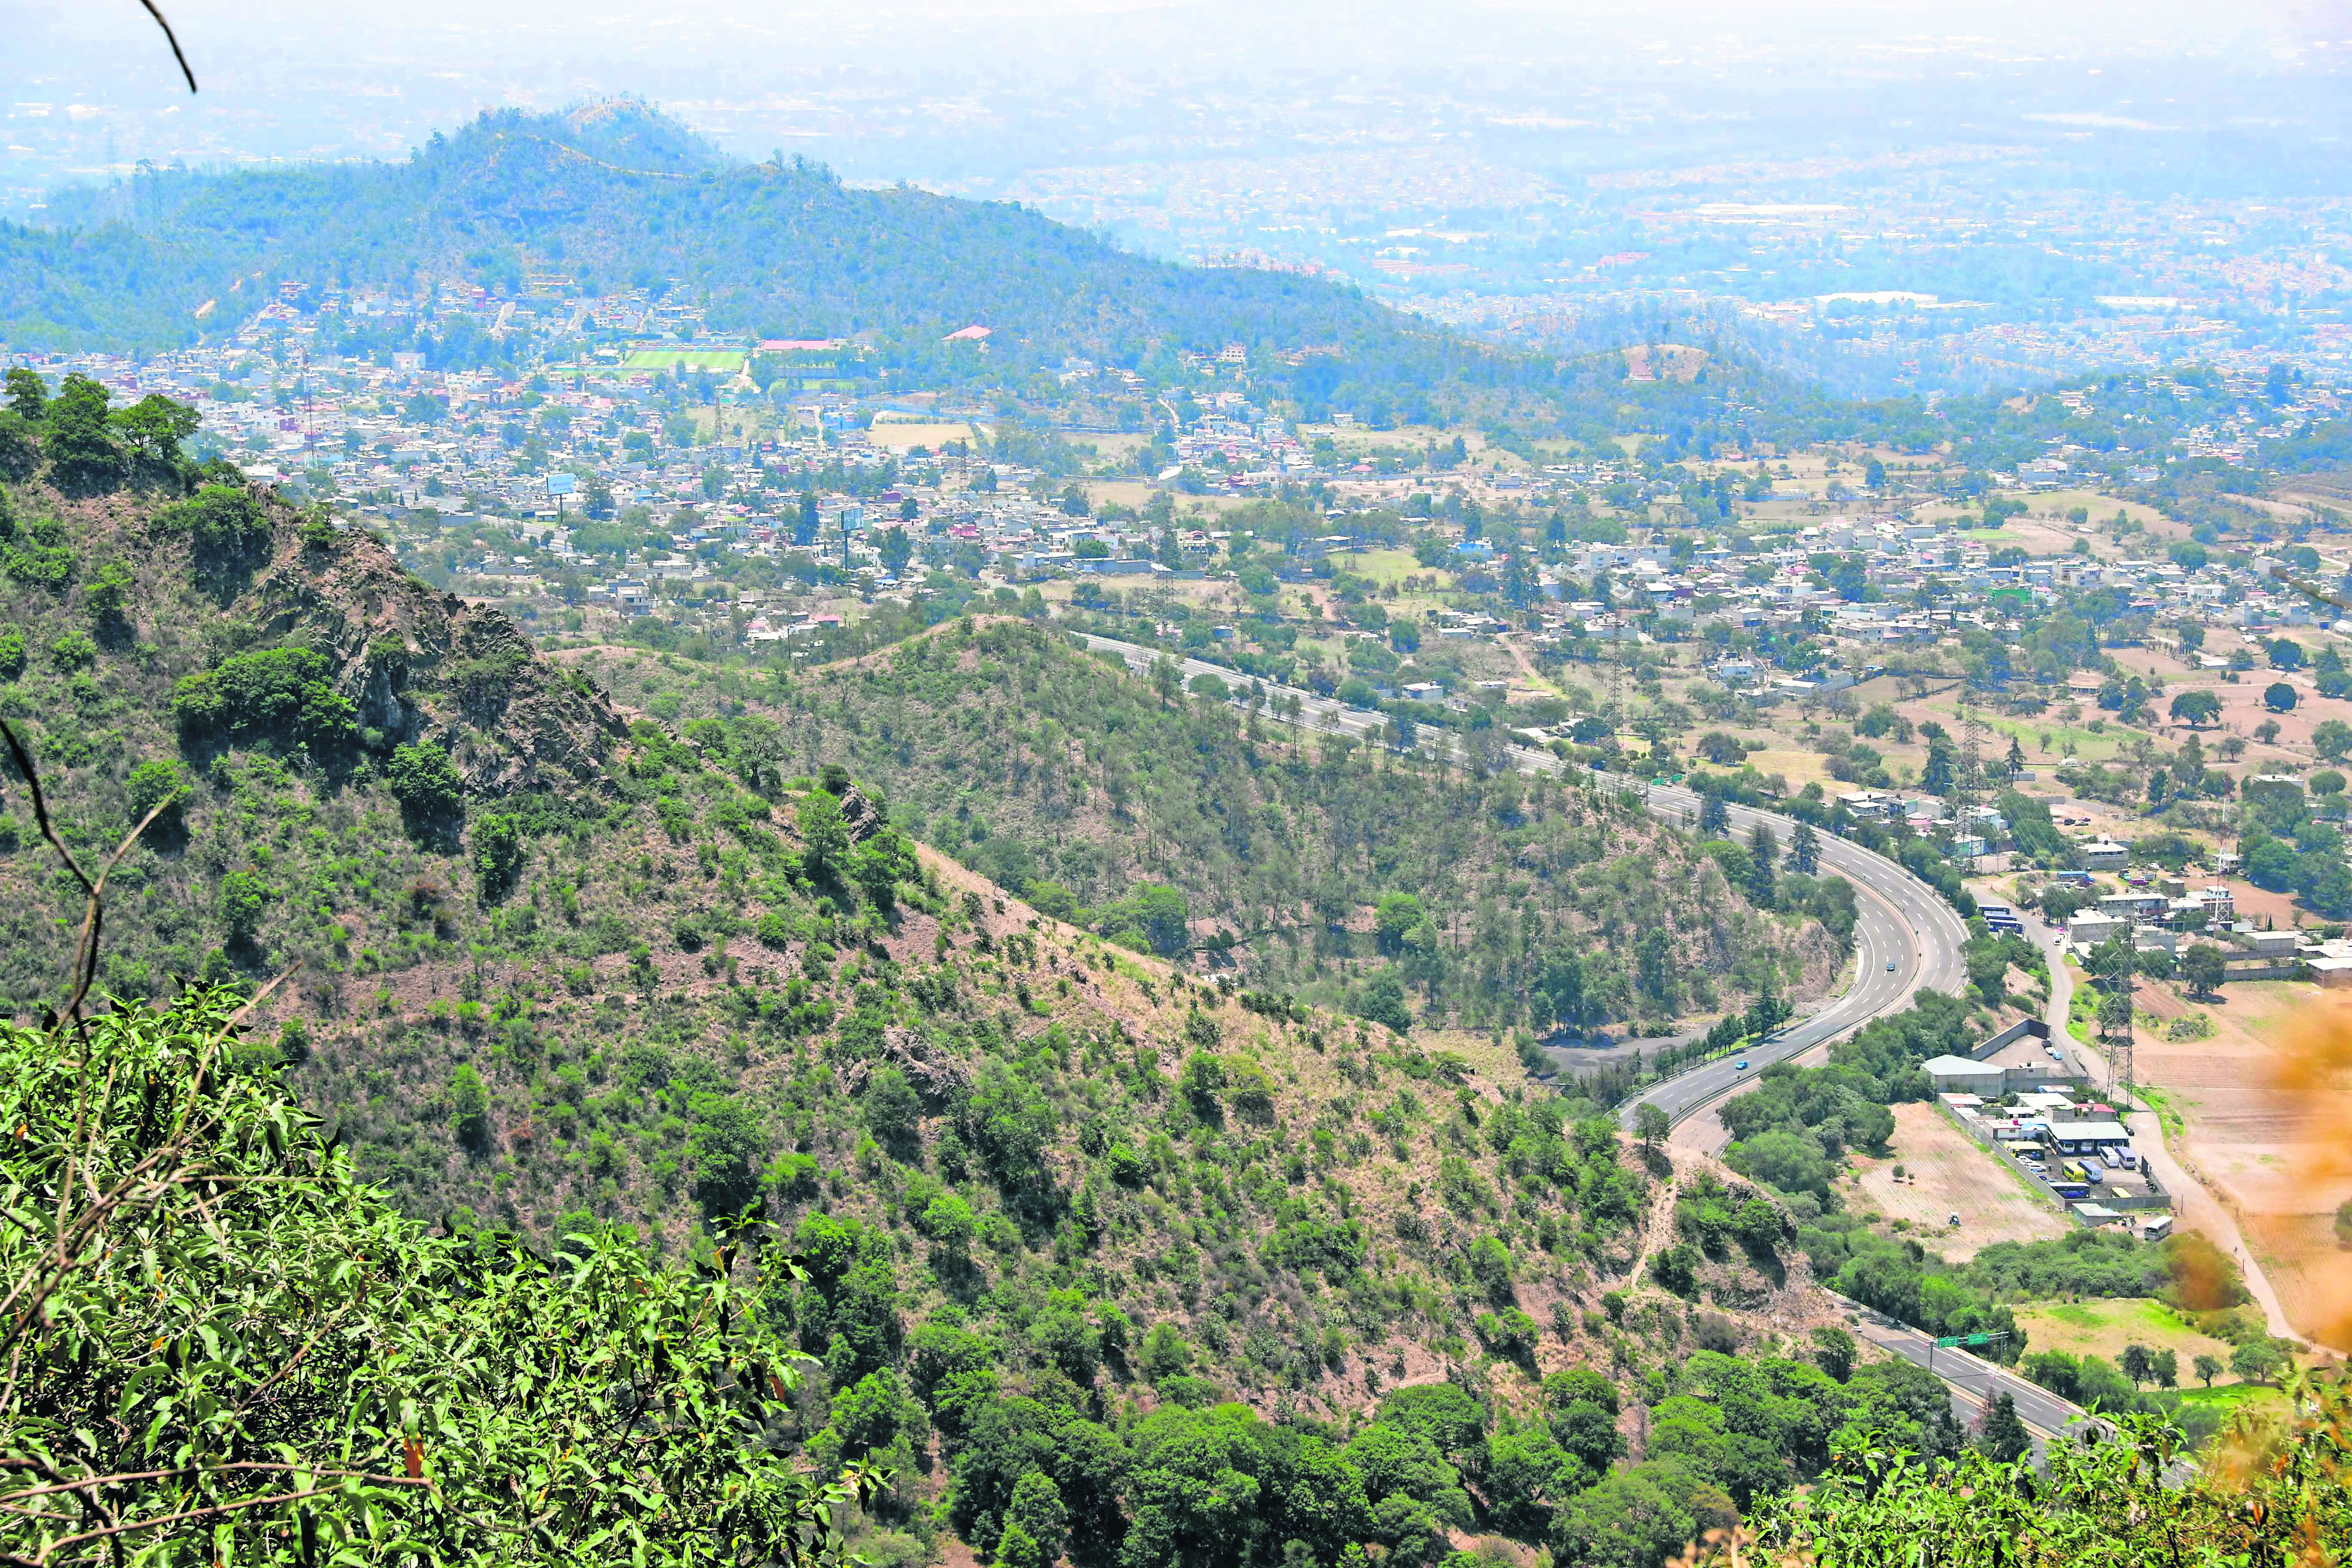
729	360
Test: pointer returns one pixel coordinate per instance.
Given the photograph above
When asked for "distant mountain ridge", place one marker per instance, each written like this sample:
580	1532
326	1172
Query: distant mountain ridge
615	194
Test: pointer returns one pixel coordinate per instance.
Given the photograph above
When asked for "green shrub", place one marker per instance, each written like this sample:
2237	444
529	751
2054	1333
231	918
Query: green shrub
282	695
411	1370
73	651
227	530
497	855
424	784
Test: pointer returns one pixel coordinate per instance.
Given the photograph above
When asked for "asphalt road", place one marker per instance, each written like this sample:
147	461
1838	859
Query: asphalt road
1974	1383
1902	921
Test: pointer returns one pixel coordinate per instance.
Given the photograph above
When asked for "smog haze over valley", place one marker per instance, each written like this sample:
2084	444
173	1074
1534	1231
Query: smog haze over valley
1195	785
2059	188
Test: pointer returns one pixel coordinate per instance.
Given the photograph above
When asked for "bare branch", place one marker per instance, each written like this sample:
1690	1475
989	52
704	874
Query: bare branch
2310	590
32	777
215	1512
86	960
172	39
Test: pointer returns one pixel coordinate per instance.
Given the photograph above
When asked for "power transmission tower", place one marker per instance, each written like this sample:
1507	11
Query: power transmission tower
2115	1047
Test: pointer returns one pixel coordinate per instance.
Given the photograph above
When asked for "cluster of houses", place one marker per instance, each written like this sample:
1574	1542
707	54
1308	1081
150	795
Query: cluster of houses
1975	830
1915	583
2157	916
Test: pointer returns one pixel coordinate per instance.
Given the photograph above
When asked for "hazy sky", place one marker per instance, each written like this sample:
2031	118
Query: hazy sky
537	46
950	89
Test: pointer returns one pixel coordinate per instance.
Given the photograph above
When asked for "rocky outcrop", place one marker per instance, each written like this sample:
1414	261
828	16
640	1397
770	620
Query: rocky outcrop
421	664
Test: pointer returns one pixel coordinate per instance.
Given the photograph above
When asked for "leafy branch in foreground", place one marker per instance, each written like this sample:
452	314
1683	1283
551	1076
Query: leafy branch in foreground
218	1342
2273	1492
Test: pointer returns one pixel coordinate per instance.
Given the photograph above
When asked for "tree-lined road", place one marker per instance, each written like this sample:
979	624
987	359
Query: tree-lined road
1976	1383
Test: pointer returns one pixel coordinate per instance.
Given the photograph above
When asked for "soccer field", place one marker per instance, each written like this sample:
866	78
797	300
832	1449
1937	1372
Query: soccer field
729	360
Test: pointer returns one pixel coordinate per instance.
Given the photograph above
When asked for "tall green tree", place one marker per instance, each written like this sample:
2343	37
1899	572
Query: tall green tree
83	458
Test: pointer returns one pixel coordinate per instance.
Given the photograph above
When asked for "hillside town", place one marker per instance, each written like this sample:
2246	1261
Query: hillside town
611	453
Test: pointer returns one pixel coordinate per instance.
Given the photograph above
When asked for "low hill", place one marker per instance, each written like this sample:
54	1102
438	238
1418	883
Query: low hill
625	197
1309	864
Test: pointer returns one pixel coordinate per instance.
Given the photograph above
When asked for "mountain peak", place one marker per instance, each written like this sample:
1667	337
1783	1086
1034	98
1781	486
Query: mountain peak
623	131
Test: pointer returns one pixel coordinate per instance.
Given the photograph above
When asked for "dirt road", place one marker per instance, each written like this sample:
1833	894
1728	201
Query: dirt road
2195	1205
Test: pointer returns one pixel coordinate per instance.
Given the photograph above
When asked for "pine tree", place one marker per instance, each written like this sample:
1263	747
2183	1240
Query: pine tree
1937	776
2004	1437
1804	849
1763	853
1714	819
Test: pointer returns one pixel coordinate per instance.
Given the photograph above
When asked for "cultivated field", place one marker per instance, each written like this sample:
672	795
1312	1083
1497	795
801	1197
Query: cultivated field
2103	1326
1951	1175
2278	1151
899	435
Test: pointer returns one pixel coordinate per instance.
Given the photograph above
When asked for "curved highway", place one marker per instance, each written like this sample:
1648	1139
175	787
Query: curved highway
1906	939
1903	921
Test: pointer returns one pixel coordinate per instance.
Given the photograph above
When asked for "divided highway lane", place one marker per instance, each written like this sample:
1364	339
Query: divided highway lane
1903	920
1976	1383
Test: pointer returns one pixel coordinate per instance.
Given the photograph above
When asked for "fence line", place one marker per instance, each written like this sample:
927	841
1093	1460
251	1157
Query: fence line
2156	1198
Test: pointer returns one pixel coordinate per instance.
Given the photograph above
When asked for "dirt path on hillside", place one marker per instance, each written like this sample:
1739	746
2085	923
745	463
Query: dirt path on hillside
1526	667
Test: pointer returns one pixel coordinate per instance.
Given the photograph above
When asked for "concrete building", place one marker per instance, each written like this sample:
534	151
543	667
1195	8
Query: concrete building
1959	1075
2088	928
2102	855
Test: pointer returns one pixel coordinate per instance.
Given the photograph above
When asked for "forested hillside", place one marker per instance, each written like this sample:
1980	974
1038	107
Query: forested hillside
1394	887
617	197
290	1368
685	1132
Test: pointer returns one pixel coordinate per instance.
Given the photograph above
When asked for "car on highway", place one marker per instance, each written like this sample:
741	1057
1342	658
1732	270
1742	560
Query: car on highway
1740	1065
1890	966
